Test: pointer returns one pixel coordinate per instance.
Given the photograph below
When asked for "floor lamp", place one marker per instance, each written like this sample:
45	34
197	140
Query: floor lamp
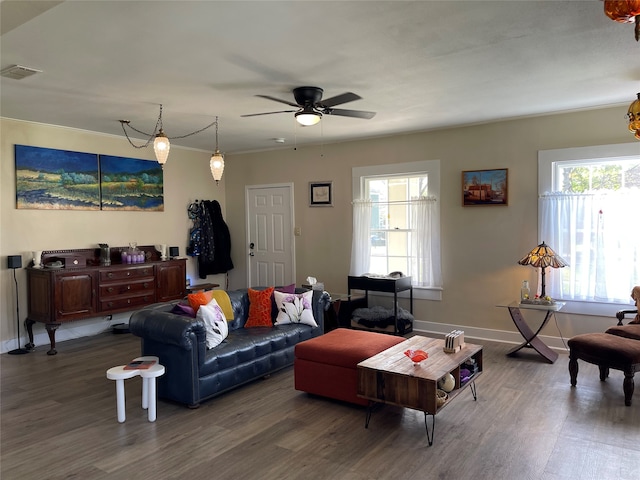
15	261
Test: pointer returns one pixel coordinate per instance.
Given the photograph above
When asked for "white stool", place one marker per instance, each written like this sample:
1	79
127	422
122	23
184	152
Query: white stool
149	375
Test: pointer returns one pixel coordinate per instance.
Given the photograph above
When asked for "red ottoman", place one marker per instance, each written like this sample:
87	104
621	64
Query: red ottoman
326	365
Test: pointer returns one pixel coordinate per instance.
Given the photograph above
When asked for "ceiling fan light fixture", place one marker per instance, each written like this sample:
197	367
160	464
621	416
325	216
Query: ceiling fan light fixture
308	117
161	147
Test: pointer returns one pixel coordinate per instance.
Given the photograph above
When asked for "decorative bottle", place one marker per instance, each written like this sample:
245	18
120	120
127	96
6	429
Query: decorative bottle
524	291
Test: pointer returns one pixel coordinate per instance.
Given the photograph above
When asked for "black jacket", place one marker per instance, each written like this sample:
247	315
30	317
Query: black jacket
215	256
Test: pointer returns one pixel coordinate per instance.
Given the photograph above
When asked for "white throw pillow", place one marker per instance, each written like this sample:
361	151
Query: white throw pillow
214	322
294	308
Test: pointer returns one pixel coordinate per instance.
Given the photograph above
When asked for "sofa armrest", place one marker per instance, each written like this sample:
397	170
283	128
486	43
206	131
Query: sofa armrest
157	324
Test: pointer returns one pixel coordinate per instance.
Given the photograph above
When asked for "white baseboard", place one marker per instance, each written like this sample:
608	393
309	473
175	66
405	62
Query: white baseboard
502	336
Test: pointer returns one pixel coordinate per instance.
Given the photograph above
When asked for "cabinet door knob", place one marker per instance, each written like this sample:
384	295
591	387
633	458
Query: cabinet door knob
110	289
128	287
110	274
146	284
128	273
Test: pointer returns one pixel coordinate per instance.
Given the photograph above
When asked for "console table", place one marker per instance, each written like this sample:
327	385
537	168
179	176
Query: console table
83	286
384	284
531	338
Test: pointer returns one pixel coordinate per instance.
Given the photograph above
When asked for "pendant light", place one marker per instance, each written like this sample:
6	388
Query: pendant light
217	160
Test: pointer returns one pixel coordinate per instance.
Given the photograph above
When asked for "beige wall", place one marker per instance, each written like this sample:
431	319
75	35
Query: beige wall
186	178
480	245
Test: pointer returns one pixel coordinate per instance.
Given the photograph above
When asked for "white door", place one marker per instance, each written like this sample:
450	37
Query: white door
270	242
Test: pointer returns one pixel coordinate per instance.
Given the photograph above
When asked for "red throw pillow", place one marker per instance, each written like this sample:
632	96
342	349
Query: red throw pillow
197	299
259	308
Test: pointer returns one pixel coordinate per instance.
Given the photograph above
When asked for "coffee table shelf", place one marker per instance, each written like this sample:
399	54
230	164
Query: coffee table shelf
391	378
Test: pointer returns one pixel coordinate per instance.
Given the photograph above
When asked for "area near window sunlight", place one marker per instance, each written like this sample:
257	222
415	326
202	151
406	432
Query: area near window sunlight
397	222
588	214
391	234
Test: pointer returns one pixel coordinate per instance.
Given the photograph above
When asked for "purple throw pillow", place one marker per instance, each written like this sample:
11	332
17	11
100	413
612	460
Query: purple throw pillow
287	288
182	309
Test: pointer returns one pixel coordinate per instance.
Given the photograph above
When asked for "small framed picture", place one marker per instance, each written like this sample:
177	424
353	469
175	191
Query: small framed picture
485	187
321	194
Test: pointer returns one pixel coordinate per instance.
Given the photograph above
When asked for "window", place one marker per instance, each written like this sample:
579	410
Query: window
397	221
587	214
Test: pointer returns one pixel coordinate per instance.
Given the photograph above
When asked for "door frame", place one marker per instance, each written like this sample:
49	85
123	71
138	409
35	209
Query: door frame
249	188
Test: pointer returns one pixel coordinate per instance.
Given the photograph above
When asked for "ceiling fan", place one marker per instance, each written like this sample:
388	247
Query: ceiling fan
310	107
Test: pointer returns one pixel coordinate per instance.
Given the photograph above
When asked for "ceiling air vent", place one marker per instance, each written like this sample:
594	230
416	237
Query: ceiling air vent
18	72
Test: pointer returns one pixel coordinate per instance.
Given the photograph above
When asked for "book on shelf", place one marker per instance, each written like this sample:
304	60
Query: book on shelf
139	364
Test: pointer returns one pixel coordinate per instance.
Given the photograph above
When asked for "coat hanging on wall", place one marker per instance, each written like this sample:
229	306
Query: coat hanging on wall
215	253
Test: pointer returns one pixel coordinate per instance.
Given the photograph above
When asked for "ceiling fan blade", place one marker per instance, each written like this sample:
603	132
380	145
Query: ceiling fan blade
268	113
349	113
286	102
339	99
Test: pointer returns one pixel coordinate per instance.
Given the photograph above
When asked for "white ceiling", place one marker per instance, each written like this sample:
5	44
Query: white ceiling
420	65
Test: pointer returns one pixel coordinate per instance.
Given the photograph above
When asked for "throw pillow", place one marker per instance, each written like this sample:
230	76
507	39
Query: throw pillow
287	288
224	301
294	308
259	308
182	309
215	323
198	299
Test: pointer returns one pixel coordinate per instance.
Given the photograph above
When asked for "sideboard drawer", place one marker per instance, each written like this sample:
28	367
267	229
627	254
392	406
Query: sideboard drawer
126	303
109	275
109	290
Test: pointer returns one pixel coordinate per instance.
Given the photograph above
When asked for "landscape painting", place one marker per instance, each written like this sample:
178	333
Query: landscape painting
52	179
129	184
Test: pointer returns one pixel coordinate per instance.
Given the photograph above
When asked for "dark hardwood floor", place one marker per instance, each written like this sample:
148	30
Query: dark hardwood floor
58	420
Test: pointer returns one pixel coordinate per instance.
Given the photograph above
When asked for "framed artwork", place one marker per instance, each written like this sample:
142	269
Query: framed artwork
321	194
485	187
130	184
50	179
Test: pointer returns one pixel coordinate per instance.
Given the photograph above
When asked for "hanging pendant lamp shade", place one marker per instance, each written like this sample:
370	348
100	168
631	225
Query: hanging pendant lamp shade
161	144
624	11
217	166
217	161
161	147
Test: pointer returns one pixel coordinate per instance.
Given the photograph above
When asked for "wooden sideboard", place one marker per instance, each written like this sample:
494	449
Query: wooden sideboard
85	288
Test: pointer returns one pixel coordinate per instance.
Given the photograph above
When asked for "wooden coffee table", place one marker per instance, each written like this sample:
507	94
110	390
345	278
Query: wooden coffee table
390	377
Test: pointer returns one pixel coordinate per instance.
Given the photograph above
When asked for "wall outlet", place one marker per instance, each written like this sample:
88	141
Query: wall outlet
297	231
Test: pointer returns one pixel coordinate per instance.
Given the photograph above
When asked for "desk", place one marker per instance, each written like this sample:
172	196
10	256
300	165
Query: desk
531	338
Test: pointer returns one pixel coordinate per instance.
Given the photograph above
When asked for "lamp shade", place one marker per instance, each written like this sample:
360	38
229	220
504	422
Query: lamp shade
634	116
308	117
543	256
217	165
161	147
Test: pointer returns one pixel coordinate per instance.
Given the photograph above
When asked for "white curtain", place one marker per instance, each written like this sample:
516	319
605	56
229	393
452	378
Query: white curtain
426	267
599	236
361	242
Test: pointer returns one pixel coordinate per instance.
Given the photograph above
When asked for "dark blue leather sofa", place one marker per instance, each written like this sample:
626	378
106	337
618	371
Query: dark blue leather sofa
193	373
